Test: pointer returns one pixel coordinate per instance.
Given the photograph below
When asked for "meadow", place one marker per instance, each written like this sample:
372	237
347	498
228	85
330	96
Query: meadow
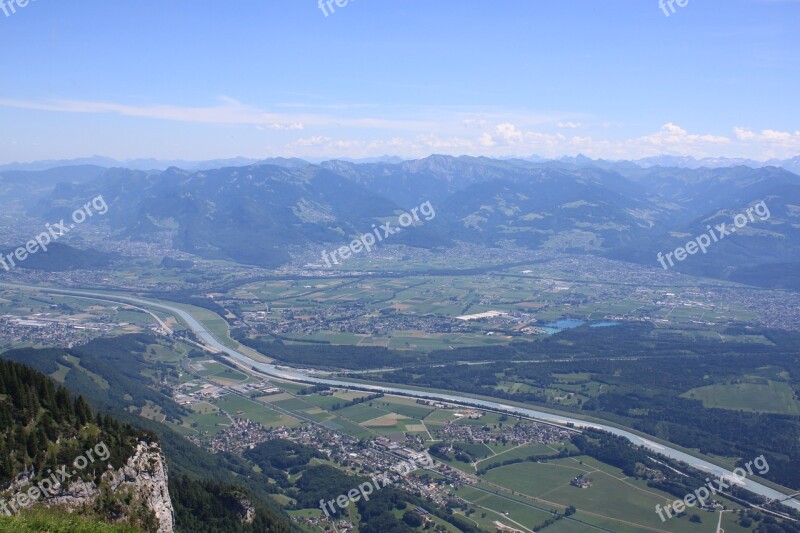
612	496
749	394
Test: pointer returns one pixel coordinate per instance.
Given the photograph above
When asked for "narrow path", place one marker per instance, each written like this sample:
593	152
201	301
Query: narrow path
427	431
501	453
505	517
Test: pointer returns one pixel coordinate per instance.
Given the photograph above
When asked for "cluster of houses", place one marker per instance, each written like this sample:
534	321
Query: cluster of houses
515	433
240	436
54	329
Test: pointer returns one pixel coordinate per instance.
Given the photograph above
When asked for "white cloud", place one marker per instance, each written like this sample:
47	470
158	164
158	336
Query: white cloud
294	126
773	143
316	140
230	111
474	123
487	141
366	130
509	133
744	134
673	139
508	139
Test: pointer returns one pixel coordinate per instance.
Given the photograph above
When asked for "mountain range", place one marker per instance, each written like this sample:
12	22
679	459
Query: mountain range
252	214
152	164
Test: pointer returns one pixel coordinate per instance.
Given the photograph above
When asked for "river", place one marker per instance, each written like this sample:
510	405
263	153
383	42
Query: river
271	370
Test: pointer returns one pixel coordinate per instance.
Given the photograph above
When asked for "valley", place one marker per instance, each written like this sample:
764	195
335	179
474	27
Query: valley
231	395
419	267
498	345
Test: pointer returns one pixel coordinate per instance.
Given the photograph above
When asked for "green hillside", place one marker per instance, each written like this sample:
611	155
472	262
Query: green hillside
58	522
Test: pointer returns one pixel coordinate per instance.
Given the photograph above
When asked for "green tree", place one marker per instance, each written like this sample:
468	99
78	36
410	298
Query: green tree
412	519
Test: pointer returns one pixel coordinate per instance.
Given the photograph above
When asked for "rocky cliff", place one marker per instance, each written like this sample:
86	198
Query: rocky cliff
136	494
145	476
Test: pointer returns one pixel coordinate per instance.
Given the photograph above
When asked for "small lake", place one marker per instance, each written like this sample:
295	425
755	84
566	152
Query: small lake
571	323
568	323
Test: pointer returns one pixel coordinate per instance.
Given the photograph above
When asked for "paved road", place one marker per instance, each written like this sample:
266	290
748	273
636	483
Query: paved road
274	371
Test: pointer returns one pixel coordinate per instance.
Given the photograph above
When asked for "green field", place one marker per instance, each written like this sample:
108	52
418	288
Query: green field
239	407
476	450
503	510
612	494
293	404
508	290
403	407
224	372
206	417
360	413
765	396
324	402
536	479
516	452
351	428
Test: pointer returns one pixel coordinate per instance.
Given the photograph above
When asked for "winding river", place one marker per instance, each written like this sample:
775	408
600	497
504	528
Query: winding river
271	370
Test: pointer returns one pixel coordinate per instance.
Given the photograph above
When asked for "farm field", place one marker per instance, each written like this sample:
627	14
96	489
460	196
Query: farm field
360	413
510	453
239	407
509	512
764	396
404	406
206	417
536	292
611	494
218	372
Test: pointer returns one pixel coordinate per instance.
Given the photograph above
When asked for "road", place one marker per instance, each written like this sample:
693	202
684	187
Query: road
273	371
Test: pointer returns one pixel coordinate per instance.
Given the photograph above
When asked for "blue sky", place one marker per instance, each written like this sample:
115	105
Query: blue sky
198	79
